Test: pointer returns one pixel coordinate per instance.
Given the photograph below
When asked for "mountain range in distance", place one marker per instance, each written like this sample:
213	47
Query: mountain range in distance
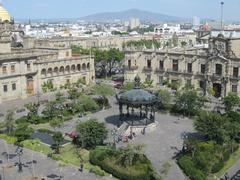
145	16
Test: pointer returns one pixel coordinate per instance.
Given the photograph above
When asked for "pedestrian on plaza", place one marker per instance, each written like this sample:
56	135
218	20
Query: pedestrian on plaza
81	167
226	176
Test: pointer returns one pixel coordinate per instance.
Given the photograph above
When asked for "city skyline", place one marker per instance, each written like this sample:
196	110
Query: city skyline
43	9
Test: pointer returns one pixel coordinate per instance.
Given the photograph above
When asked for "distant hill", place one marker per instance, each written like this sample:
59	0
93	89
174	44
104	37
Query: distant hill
126	15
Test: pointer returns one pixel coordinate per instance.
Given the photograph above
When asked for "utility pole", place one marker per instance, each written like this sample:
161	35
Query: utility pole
222	4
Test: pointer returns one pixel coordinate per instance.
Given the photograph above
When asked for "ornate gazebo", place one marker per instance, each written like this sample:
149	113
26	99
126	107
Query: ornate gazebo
139	103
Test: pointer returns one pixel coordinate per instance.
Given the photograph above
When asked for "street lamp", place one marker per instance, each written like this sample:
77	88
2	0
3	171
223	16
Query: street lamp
19	152
38	97
114	134
222	3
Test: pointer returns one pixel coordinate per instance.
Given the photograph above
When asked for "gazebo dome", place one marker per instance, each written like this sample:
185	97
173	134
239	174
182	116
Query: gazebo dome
137	96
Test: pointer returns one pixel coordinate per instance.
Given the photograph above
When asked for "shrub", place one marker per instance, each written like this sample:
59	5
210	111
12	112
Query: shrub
97	170
8	139
91	133
217	167
107	158
187	165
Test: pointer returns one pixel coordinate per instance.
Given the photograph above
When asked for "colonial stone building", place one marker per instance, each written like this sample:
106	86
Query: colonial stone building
24	68
216	68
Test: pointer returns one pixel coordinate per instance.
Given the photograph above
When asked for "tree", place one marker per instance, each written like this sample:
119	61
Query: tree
175	40
130	154
103	90
189	102
9	121
58	139
231	101
22	132
88	103
32	116
91	133
56	122
59	97
50	110
164	98
212	126
73	93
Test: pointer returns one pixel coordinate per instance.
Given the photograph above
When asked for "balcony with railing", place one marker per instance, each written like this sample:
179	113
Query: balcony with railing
147	69
234	77
187	72
160	70
131	68
174	71
217	75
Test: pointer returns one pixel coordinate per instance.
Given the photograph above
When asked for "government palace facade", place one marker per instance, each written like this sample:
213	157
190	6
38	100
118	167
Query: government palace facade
24	68
215	67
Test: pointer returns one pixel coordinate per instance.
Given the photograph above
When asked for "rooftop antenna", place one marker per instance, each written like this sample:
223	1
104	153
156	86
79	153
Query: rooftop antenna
222	4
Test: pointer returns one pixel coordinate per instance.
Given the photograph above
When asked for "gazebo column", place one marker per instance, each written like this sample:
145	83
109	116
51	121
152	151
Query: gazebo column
140	111
121	111
146	110
128	111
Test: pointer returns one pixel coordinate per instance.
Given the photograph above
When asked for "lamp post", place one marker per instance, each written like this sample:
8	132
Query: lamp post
222	4
19	152
38	97
114	134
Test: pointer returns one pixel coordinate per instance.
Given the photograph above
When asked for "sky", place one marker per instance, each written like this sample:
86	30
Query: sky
47	9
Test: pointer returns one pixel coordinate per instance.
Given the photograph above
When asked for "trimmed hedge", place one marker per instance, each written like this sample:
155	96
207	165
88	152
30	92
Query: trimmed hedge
187	165
106	158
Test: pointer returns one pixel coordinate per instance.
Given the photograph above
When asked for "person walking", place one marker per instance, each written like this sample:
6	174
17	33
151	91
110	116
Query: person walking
81	167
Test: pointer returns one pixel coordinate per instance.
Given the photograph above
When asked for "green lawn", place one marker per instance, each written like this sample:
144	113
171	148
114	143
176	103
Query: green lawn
71	155
233	159
8	139
36	145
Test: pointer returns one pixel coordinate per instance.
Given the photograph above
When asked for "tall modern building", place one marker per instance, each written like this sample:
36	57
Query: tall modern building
196	22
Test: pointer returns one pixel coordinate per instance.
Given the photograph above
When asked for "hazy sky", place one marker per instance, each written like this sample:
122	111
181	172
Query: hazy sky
77	8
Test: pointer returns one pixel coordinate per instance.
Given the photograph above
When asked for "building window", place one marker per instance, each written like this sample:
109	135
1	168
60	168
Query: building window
160	80
4	69
129	64
161	65
148	78
218	69
14	86
189	83
5	88
189	67
12	68
28	67
203	68
235	88
149	64
202	84
235	72
175	65
67	53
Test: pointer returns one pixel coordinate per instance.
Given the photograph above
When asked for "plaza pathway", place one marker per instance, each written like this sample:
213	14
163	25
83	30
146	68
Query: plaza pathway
44	167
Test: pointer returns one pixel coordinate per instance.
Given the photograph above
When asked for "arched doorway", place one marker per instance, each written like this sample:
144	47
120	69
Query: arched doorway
217	87
30	86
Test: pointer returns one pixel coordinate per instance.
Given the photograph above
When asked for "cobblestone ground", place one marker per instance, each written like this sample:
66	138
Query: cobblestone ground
44	167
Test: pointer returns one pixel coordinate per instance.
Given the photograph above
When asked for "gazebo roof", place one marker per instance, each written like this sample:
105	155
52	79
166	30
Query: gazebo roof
137	95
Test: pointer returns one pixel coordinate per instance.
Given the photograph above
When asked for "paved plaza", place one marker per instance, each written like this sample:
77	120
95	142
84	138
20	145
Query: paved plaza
42	168
161	146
